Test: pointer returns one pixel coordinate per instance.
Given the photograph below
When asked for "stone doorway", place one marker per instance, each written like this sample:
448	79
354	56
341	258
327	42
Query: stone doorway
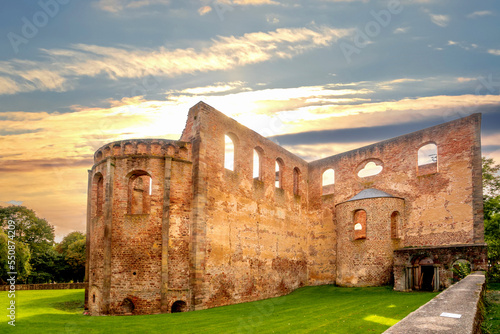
427	272
423	275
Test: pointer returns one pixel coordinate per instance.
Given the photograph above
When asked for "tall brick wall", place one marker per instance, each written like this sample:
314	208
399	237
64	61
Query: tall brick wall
443	207
139	232
251	238
207	236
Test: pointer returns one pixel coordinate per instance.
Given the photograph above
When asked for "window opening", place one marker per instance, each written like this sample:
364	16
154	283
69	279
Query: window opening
257	170
427	154
279	173
370	169
328	182
359	224
229	153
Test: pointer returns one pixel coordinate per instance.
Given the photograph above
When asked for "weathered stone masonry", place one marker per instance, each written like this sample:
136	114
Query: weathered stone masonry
170	229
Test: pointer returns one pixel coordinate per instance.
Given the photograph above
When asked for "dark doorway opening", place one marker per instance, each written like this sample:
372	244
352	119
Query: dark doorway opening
178	306
128	306
427	278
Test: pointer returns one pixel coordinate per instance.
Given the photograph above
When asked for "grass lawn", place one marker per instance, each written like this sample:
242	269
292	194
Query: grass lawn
491	322
320	309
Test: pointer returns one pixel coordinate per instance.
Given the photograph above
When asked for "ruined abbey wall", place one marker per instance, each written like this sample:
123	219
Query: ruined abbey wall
139	226
253	234
444	200
170	228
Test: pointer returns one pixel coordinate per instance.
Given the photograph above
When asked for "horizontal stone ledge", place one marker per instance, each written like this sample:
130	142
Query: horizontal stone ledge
456	310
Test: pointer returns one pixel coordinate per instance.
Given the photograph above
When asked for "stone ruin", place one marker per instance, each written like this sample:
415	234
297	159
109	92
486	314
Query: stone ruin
204	221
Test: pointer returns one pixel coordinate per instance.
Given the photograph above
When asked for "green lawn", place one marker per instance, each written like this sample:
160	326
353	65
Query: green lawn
321	309
491	324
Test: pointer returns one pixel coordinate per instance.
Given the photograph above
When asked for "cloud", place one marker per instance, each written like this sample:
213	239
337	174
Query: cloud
47	169
463	45
115	6
63	66
440	20
254	2
494	52
401	30
204	10
479	13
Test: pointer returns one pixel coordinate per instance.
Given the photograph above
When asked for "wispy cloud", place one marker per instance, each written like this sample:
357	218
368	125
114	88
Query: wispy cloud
53	150
495	52
204	10
440	20
63	66
401	30
254	2
463	45
480	13
115	6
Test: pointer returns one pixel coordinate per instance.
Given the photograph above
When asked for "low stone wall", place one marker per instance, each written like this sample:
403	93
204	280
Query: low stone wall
457	310
45	286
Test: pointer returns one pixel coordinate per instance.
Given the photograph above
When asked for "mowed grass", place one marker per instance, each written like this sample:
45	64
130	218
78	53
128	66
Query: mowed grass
491	322
320	309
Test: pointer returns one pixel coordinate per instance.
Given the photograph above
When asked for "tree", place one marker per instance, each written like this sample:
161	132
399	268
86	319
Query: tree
20	259
491	178
491	207
72	252
37	235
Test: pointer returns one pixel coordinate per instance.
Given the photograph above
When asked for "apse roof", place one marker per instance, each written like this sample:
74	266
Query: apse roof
369	193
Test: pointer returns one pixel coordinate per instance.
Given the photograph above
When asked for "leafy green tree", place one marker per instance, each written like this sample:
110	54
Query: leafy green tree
72	252
38	235
491	206
20	263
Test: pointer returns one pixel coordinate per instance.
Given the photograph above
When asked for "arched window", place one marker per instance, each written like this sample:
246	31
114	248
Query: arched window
139	193
98	189
229	153
257	163
359	222
395	225
279	173
427	159
328	182
296	181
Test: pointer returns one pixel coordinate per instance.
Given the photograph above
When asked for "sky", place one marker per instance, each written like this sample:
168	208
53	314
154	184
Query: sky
319	76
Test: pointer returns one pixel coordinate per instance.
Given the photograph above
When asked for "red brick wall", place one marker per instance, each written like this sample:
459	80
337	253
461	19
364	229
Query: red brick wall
140	257
211	236
252	236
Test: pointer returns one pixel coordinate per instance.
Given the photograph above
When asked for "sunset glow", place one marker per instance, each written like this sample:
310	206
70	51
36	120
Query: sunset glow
307	74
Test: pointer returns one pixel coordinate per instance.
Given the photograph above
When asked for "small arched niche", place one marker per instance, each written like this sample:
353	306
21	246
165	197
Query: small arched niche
139	193
296	181
395	223
98	189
